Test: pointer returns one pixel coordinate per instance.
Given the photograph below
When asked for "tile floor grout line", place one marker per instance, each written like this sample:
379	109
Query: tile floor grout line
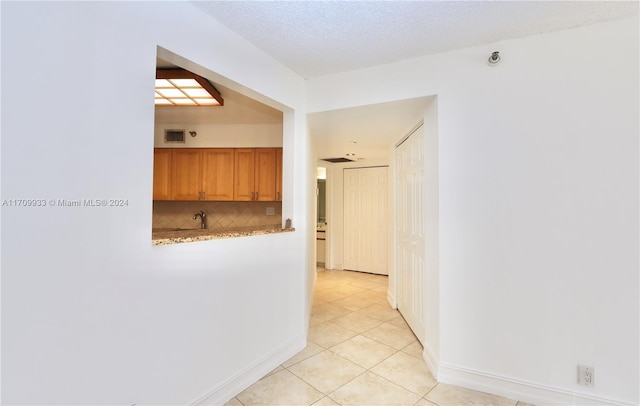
431	390
351	380
400	386
236	398
396	351
327	394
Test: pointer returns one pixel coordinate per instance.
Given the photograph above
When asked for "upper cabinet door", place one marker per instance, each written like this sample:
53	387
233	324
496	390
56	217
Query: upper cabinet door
244	174
187	174
279	174
162	174
265	175
217	174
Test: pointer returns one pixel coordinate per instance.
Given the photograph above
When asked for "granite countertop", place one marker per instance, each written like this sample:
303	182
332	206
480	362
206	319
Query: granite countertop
169	236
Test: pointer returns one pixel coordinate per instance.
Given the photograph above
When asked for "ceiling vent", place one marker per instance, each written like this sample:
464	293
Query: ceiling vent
173	135
337	160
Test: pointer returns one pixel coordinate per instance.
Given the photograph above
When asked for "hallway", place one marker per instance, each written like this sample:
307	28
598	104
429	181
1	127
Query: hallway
359	352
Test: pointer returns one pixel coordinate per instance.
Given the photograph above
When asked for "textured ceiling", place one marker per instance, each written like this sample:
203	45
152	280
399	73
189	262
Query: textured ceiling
315	38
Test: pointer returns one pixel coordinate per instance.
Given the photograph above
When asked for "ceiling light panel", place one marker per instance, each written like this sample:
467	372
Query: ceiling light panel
179	87
168	93
182	102
199	92
163	83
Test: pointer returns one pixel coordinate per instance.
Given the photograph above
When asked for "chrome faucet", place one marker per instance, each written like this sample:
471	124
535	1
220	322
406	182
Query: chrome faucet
203	222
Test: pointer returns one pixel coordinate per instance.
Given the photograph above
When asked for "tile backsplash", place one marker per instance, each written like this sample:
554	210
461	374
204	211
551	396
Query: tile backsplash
220	215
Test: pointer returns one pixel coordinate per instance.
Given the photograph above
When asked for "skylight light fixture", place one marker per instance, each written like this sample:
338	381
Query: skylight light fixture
179	87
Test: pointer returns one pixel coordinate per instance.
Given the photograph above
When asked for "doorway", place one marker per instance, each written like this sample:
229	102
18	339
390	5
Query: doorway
321	216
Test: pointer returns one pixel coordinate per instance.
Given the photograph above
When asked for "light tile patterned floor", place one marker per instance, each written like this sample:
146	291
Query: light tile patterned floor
360	352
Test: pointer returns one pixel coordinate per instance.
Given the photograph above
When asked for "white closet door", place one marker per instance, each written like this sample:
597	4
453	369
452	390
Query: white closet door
365	220
410	239
378	234
351	234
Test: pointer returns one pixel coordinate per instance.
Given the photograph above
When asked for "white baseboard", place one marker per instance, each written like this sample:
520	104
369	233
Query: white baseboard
391	298
431	360
517	389
227	390
311	298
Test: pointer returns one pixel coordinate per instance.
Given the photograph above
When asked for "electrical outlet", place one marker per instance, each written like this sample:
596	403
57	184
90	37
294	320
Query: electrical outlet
586	375
271	211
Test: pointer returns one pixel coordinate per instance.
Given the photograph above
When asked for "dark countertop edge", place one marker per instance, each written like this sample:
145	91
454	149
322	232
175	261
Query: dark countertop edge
218	235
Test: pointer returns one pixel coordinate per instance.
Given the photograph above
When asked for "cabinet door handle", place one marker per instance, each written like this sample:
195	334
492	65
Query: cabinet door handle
278	196
204	195
256	195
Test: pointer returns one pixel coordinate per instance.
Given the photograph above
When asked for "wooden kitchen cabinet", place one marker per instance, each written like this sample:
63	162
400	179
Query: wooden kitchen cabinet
187	174
279	174
265	178
217	174
255	174
244	172
202	173
162	174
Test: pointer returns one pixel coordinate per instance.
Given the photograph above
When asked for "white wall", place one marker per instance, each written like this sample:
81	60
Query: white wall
92	313
222	136
538	207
